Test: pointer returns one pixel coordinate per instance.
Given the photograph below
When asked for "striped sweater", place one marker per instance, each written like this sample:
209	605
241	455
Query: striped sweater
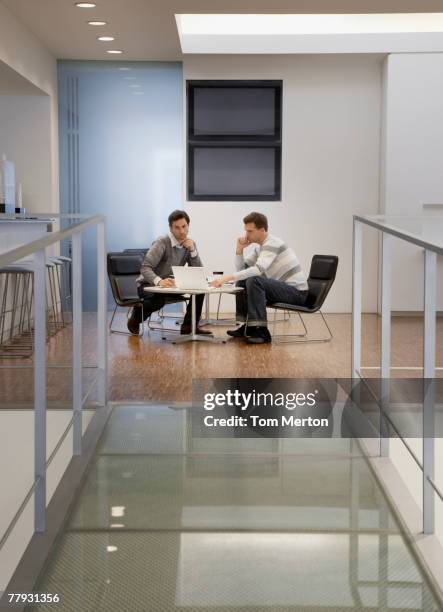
273	259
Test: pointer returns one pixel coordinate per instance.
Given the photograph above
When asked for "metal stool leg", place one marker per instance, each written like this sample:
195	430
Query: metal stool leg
50	306
65	287
57	286
3	313
17	343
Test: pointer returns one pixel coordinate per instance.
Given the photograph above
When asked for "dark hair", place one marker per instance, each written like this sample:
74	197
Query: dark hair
176	215
260	221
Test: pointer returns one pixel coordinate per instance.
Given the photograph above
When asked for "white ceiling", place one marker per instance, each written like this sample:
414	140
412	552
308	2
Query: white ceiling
146	29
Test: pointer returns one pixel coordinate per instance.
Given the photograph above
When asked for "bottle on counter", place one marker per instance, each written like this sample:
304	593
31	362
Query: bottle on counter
7	185
2	194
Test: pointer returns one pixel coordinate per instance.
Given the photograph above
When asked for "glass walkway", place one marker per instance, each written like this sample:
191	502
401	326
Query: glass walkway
166	521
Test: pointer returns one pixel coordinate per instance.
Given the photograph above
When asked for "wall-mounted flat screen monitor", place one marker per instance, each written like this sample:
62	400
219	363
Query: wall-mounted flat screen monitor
231	173
234	109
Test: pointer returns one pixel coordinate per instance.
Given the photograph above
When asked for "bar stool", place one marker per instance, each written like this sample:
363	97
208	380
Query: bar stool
66	284
58	288
16	324
16	305
52	319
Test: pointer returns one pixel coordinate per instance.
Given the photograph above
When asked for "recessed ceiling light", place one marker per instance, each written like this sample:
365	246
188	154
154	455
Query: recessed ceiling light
111	548
117	510
85	4
114	51
106	38
97	23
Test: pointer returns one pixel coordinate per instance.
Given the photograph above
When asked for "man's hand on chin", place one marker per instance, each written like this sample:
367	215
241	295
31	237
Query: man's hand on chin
189	244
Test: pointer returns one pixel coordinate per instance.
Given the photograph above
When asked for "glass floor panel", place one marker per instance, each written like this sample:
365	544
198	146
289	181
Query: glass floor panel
166	529
166	429
228	491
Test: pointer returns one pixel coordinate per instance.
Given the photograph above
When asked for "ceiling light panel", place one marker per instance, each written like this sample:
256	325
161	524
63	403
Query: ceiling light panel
319	33
311	24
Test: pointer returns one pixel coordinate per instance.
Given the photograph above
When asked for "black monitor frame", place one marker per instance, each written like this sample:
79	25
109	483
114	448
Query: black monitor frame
234	140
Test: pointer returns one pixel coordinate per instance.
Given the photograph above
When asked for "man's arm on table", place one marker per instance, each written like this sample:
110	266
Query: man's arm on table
151	260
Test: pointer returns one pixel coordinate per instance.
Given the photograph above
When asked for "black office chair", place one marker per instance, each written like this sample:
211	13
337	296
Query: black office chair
123	270
135	251
320	280
159	324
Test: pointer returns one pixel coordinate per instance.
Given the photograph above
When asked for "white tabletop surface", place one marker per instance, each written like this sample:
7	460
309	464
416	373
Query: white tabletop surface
223	289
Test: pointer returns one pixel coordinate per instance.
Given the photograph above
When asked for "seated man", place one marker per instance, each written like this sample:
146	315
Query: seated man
173	249
272	273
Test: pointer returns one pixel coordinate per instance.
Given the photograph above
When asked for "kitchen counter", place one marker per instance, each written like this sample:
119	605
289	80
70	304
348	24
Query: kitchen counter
17	231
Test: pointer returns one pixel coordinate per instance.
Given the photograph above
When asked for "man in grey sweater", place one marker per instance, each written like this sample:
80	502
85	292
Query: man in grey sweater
173	249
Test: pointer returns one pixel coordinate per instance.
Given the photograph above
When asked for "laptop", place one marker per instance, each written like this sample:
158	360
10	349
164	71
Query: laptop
190	277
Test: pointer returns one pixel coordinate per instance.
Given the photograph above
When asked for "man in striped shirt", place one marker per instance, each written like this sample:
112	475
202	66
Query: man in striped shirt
271	273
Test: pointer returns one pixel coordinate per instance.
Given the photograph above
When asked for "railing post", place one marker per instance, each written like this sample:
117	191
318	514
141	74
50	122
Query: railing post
356	297
429	331
40	390
77	342
101	313
385	341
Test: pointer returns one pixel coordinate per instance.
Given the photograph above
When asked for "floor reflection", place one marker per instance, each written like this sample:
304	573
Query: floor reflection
258	525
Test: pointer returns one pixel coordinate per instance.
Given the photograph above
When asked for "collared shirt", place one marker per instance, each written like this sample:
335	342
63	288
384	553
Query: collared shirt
176	245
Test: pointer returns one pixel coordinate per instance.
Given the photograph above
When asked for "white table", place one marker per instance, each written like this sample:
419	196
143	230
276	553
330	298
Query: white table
193	336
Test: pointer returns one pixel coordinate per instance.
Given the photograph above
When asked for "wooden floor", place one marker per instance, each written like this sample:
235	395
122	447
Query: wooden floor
149	368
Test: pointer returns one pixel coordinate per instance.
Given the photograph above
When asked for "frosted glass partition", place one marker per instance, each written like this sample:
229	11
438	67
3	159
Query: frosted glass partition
120	150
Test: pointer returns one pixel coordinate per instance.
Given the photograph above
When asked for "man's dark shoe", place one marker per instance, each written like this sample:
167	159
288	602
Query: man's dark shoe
133	326
258	335
187	330
237	333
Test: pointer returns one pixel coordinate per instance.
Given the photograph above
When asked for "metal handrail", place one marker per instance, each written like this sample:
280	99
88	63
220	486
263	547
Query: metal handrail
37	249
431	250
402	234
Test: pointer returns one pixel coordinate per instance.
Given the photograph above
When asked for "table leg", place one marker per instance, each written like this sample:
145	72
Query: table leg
193	336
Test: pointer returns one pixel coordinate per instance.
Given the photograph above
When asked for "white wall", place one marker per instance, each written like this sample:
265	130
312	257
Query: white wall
24	53
25	136
413	170
330	166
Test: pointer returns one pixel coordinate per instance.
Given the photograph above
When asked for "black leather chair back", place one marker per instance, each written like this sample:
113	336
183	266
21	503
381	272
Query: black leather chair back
320	280
136	251
123	270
